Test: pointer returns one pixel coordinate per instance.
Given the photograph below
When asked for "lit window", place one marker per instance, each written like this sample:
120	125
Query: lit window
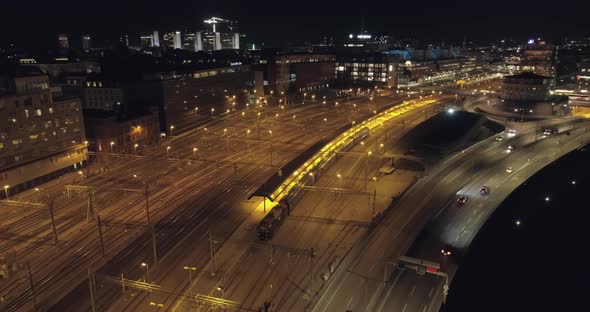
51	110
27	113
38	112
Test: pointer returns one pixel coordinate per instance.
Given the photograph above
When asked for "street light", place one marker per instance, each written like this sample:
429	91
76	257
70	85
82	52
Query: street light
147	269
194	151
6	189
135	146
112	143
212	110
190	277
220	288
167	150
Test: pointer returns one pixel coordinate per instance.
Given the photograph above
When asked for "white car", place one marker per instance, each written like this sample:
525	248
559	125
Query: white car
509	169
499	138
511	133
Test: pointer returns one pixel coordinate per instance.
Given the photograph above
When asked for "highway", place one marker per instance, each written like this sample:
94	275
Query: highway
187	175
458	226
402	225
250	272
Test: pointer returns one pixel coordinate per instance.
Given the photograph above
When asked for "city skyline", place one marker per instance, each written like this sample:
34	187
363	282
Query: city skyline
435	23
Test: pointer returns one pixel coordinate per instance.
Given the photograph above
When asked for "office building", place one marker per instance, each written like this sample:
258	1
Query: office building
156	39
294	72
189	42
63	41
86	42
146	40
223	34
538	57
583	78
367	69
40	137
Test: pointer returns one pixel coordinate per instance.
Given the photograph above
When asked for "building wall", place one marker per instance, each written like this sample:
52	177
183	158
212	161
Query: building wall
521	91
102	98
143	131
186	98
38	135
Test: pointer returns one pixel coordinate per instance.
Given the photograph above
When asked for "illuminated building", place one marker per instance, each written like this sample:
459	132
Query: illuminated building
223	35
63	41
367	69
189	41
527	94
40	137
538	57
156	39
583	78
295	72
526	86
146	40
86	42
172	40
102	94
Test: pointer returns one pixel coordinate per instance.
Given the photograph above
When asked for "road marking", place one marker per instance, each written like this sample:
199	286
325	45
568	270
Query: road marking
425	308
349	301
405	306
371	268
431	291
413	289
468	220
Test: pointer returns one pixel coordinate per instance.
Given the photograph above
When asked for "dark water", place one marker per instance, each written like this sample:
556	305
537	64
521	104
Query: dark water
544	263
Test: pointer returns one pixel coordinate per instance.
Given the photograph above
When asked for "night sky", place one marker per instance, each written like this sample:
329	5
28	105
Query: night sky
36	22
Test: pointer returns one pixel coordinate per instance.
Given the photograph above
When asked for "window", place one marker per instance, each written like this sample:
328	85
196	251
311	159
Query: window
38	112
51	110
27	113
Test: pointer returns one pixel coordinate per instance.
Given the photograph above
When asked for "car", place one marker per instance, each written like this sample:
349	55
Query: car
499	138
462	200
511	147
509	169
484	190
447	250
512	131
549	131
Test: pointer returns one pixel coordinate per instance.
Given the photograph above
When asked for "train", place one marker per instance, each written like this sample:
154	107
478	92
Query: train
270	223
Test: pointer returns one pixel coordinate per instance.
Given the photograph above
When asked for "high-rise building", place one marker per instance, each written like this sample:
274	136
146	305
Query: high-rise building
539	58
124	39
40	137
146	40
86	42
177	40
189	41
63	41
156	39
172	40
222	35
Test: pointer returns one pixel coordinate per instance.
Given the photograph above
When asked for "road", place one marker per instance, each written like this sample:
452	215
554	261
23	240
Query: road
402	225
458	226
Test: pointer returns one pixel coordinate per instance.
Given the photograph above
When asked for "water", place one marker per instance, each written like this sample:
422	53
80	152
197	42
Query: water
543	264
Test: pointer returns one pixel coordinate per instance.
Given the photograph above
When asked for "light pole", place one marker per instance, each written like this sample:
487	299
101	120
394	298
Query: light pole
220	288
167	150
6	189
194	151
112	143
147	269
212	111
190	278
135	147
171	129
